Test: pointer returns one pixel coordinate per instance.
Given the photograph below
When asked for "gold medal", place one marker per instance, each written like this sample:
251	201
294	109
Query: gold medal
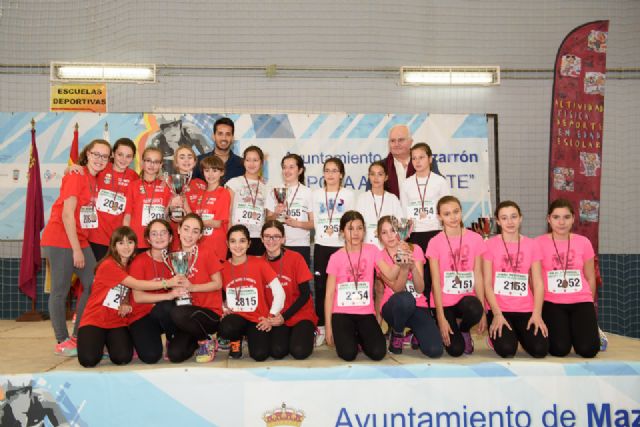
423	215
329	231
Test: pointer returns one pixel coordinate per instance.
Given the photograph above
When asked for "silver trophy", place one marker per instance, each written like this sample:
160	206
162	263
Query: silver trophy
404	227
180	263
487	226
176	182
280	193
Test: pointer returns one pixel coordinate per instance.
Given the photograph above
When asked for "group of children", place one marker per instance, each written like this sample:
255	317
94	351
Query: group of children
246	250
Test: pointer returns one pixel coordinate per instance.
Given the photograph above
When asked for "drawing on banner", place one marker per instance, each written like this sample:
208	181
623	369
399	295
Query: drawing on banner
594	83
33	404
589	210
570	66
597	41
283	416
563	179
174	132
589	163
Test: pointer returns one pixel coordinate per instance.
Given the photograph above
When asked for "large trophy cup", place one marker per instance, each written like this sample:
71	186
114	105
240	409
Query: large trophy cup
180	263
484	226
280	194
176	182
404	227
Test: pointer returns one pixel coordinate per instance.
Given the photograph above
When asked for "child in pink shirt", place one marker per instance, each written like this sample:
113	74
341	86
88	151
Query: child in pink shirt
349	311
456	271
570	280
513	288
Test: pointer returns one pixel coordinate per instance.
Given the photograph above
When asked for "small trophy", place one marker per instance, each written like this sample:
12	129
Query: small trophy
487	226
404	227
180	263
177	182
280	194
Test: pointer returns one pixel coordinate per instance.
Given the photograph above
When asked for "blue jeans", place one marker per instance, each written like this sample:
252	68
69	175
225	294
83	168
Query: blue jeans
400	311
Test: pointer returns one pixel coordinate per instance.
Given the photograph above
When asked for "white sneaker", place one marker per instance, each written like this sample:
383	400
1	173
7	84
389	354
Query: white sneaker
320	334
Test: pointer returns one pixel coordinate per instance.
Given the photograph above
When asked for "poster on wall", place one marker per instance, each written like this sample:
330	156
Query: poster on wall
459	143
577	117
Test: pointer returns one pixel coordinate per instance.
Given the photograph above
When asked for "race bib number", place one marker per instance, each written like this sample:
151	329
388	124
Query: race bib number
244	299
420	213
115	296
458	283
111	202
511	284
250	215
151	212
208	231
352	295
88	217
412	289
559	283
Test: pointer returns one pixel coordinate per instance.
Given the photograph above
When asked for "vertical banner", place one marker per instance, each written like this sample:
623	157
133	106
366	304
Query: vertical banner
577	116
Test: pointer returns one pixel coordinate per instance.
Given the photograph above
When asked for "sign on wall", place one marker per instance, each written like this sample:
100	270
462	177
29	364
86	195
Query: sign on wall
459	143
79	97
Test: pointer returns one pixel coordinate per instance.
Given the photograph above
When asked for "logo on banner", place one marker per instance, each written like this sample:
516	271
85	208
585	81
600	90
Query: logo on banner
283	416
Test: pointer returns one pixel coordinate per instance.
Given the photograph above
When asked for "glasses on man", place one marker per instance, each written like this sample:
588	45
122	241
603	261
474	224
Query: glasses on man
98	156
272	237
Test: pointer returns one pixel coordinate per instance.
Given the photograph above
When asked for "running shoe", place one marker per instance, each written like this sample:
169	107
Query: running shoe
468	342
320	336
67	348
406	341
235	349
396	342
223	344
206	351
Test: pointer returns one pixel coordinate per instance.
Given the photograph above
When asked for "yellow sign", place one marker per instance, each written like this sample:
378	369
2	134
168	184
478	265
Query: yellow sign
79	97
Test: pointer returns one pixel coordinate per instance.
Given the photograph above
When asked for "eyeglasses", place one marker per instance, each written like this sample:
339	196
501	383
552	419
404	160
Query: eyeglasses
271	238
152	162
98	156
160	233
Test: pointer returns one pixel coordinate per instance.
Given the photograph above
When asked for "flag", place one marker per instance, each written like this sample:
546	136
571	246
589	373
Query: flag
73	152
31	260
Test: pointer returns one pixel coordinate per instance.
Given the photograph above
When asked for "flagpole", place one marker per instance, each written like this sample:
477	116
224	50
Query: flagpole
33	315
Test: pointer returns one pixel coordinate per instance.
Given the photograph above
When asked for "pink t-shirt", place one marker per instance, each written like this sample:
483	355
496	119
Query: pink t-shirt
462	269
512	286
349	297
576	289
421	300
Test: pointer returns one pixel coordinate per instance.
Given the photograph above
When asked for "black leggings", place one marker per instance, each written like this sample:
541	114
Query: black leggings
147	332
349	330
193	324
506	345
321	255
572	325
297	340
91	342
422	239
233	327
99	251
470	310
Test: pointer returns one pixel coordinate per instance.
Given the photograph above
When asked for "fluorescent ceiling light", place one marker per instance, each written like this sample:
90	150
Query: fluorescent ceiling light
93	72
450	76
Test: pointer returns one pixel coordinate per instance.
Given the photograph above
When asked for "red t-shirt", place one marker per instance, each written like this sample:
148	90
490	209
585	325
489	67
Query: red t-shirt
213	205
84	188
106	289
190	191
244	286
111	202
144	267
292	270
146	201
203	265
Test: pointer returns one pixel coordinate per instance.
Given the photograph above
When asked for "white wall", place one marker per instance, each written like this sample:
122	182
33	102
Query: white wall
512	34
